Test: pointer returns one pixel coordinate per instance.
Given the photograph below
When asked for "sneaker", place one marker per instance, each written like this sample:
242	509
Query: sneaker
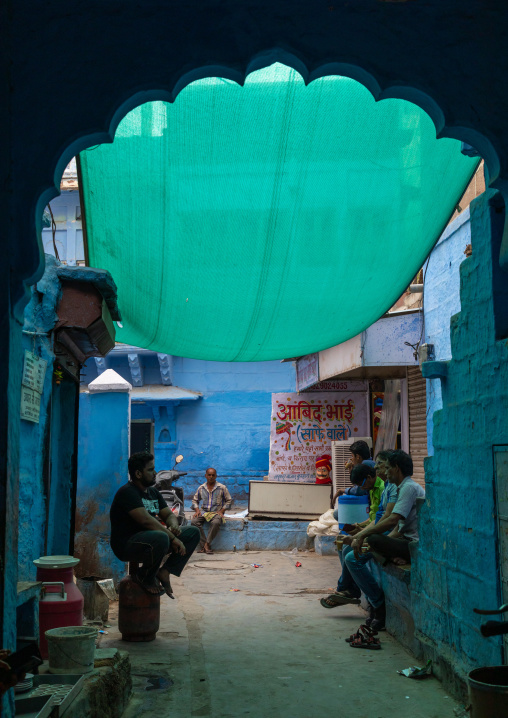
378	623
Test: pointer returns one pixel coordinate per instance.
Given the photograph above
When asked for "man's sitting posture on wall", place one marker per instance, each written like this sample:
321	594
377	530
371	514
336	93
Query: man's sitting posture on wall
356	577
137	535
214	499
360	454
402	522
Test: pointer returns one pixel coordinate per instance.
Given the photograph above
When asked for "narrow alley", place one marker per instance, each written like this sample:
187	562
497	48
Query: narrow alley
268	649
254	378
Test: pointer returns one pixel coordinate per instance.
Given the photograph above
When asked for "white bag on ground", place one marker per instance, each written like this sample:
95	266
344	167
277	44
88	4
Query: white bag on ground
326	525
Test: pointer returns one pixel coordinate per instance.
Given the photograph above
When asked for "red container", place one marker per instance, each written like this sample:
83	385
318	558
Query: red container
61	601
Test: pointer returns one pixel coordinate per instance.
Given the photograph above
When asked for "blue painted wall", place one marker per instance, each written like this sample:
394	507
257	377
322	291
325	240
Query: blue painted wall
228	428
441	301
456	567
103	451
40	317
47	447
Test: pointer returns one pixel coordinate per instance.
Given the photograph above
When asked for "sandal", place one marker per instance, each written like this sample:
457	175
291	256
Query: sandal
209	551
201	550
154	589
364	631
364	640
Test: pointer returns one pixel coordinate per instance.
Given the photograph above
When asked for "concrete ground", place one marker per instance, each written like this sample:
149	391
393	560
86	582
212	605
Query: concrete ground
269	649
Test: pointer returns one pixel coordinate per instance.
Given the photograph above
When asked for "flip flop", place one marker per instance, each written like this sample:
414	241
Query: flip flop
209	552
165	586
337	600
201	550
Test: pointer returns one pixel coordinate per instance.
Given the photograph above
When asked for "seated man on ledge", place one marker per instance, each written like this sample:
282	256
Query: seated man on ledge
214	499
360	454
138	536
356	576
402	522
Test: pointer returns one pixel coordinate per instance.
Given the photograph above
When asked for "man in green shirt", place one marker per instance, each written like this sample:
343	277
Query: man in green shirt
365	477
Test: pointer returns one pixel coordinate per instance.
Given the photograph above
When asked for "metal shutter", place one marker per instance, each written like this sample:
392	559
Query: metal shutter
417	398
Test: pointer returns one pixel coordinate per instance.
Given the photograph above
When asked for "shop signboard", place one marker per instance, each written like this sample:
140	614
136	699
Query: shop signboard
343	385
303	427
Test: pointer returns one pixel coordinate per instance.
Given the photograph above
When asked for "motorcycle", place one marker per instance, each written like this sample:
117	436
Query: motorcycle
173	495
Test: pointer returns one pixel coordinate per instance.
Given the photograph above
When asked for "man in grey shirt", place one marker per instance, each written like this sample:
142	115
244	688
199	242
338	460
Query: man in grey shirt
402	522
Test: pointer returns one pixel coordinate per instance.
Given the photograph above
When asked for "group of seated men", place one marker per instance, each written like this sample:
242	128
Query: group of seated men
390	529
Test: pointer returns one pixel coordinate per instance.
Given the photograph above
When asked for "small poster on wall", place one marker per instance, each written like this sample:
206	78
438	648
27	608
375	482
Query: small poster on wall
303	427
34	371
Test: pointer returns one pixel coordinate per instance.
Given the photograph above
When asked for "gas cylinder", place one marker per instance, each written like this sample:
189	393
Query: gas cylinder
138	611
61	601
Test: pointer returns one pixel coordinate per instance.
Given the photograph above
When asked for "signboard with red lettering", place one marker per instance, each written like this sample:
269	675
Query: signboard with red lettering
303	427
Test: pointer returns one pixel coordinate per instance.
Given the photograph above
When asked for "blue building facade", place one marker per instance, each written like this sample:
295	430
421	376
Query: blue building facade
462	556
215	414
442	302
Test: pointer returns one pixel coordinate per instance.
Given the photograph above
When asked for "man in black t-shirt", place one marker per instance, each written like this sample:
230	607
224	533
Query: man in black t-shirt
138	536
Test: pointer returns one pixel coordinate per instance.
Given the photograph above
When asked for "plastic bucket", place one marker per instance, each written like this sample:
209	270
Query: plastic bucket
71	649
351	509
488	692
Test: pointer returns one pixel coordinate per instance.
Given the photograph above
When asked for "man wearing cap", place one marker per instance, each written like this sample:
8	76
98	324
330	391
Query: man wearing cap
323	468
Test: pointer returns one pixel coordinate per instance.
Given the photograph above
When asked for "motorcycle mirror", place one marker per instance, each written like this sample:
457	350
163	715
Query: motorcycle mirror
179	458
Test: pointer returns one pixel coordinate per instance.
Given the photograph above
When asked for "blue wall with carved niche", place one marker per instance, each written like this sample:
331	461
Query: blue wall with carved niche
456	566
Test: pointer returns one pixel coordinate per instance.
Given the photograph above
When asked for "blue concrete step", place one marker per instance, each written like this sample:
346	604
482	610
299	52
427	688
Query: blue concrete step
259	535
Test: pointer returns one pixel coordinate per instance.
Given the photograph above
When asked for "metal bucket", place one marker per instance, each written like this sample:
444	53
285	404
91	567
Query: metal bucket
488	692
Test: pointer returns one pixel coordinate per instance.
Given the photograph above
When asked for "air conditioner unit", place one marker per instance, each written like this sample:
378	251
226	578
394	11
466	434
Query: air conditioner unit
340	456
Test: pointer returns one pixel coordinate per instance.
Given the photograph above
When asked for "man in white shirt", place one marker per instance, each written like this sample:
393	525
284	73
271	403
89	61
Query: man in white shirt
403	521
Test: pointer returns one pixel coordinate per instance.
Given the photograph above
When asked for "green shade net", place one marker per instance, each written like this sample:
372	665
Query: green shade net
266	221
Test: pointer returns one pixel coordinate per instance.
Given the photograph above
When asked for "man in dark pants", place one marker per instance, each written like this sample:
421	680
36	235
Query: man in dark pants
402	522
138	536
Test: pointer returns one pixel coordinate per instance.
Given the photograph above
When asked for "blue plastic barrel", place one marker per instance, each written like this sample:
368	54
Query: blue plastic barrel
352	509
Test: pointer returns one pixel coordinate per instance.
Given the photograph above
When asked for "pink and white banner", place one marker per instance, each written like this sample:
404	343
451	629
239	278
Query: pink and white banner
303	427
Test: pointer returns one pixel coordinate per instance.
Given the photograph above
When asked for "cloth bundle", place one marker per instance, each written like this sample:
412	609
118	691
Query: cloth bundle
326	525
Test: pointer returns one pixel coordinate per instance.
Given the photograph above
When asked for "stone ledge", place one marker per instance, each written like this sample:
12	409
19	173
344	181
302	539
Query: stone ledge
325	545
107	688
27	590
259	535
402	573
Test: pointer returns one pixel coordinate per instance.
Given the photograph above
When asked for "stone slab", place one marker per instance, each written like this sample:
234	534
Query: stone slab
325	545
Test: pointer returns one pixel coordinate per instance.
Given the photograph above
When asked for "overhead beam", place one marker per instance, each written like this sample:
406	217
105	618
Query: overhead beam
166	367
136	369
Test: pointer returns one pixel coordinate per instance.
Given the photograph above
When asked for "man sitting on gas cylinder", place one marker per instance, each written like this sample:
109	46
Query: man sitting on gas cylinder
137	534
